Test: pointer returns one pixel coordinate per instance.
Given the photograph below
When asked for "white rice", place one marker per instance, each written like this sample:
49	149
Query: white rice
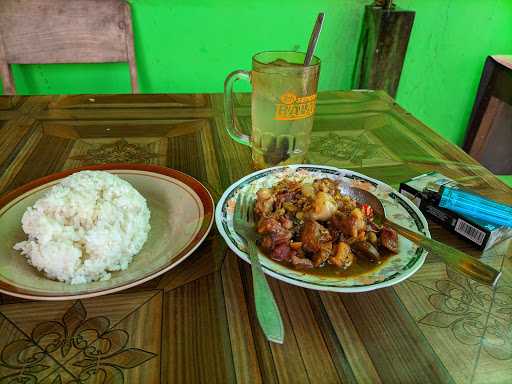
90	223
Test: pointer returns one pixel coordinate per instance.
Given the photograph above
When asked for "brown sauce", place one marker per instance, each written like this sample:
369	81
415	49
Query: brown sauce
359	267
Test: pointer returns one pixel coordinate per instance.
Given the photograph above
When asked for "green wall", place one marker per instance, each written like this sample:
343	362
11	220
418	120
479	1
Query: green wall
190	46
449	43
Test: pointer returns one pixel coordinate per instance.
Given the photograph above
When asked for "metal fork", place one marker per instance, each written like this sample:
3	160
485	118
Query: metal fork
266	307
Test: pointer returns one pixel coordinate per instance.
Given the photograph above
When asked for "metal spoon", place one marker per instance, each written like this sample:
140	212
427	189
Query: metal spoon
314	38
461	261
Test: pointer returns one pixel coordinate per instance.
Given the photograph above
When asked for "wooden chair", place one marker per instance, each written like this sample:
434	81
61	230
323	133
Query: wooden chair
65	31
489	134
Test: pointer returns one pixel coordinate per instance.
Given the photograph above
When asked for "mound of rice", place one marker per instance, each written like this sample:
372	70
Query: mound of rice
90	223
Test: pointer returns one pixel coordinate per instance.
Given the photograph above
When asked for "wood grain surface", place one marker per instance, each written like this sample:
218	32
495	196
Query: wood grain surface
197	323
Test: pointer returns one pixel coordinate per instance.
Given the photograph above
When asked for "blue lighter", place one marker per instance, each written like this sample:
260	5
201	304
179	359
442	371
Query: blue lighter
475	206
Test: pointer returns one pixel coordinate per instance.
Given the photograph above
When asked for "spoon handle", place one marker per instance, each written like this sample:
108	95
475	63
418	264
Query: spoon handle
458	260
314	38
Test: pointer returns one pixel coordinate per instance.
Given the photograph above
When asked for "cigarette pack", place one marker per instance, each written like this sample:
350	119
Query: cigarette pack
481	234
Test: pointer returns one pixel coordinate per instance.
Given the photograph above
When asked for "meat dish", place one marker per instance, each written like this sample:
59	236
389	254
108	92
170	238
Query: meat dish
312	226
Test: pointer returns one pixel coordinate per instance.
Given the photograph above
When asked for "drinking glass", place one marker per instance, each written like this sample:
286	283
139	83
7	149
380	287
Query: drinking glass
283	105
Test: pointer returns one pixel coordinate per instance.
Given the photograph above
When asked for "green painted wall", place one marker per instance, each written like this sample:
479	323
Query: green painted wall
449	43
190	46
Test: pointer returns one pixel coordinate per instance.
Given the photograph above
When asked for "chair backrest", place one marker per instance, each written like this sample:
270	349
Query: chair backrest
65	31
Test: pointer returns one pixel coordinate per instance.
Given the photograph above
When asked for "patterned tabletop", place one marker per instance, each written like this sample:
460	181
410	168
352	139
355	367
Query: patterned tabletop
197	322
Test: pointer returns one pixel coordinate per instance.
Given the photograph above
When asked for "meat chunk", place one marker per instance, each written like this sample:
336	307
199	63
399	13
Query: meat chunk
350	224
264	202
389	239
301	262
286	222
273	234
268	225
321	256
367	250
275	229
343	256
323	207
313	236
282	252
266	243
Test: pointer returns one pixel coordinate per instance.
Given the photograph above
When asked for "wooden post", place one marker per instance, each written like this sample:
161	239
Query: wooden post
382	48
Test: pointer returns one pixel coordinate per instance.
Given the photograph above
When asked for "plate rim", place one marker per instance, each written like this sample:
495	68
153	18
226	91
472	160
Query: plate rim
295	281
202	192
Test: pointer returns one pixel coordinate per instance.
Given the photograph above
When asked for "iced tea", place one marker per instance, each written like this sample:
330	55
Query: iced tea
283	105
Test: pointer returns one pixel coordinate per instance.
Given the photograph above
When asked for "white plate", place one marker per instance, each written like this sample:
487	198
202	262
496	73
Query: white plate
181	217
398	209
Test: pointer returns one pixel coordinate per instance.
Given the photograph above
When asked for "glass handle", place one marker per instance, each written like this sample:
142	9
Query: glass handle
232	123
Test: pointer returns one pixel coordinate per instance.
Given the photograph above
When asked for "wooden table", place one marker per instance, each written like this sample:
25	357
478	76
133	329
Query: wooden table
197	322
